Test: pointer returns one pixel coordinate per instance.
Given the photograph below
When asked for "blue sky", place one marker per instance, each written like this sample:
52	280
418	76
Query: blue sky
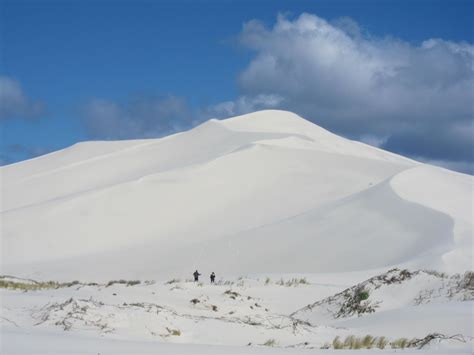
396	74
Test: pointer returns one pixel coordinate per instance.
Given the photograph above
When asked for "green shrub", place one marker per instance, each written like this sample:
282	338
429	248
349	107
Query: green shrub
362	295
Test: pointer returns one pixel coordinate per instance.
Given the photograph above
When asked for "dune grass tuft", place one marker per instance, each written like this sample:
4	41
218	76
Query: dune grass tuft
270	342
368	342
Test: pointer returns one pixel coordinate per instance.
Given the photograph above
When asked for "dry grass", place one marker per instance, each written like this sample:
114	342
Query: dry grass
35	285
173	332
173	281
381	342
31	285
270	342
337	343
123	282
368	342
292	282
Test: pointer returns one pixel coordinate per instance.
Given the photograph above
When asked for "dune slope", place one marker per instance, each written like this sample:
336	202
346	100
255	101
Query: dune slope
263	192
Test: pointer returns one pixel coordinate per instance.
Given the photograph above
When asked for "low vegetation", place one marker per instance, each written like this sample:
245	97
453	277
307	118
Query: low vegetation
402	343
173	332
467	281
270	342
368	342
35	285
172	281
381	342
337	343
232	294
32	285
292	282
356	302
363	295
123	282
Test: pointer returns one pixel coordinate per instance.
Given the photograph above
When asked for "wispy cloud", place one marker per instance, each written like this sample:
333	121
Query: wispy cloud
14	103
143	117
243	104
17	152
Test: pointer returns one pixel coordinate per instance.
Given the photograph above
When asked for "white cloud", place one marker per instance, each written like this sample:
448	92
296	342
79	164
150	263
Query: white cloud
361	86
14	103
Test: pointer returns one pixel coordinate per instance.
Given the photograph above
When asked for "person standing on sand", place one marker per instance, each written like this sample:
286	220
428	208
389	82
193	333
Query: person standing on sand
213	277
196	276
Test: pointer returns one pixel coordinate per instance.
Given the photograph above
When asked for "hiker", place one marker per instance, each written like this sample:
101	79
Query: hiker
196	276
213	277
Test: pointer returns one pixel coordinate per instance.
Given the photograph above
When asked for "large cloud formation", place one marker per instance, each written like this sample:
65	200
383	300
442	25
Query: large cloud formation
411	99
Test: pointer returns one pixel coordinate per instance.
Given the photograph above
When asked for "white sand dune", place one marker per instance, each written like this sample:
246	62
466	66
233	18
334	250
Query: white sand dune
263	192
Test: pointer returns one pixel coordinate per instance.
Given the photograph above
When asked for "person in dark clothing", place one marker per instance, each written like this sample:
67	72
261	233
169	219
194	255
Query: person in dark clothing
196	275
213	277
